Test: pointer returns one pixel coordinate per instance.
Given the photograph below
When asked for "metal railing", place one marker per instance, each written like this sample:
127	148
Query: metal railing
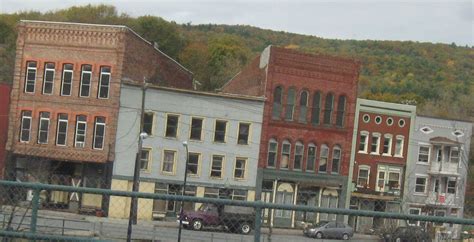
258	206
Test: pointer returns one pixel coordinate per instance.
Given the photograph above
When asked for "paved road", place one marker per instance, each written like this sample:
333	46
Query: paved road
116	229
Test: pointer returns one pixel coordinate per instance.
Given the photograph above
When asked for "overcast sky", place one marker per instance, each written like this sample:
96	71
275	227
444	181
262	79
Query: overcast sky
443	21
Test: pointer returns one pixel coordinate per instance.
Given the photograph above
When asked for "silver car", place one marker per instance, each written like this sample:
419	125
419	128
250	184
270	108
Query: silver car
334	230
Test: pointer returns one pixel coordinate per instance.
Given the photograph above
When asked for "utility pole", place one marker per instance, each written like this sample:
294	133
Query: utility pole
183	192
132	219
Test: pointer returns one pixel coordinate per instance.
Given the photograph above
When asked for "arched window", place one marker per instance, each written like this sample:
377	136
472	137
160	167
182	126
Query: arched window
277	95
290	104
323	159
303	106
299	152
328	106
316	109
311	157
285	154
341	109
336	159
272	153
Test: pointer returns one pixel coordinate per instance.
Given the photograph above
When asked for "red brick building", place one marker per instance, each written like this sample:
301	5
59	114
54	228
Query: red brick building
65	100
307	129
4	105
382	135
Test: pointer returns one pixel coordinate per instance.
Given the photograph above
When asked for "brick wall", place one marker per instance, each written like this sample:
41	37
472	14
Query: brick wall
4	103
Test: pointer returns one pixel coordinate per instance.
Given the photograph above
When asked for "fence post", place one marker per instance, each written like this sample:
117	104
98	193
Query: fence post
258	220
34	209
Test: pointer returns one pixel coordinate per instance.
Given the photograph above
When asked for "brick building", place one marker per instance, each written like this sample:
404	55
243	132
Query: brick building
382	134
306	131
4	103
65	101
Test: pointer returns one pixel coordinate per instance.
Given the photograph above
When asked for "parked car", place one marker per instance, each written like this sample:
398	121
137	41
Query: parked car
233	218
407	234
334	230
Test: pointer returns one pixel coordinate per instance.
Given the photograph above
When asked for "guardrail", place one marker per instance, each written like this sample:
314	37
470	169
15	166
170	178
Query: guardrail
257	205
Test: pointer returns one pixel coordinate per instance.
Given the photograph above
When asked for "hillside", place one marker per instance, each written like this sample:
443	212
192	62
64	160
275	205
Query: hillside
439	78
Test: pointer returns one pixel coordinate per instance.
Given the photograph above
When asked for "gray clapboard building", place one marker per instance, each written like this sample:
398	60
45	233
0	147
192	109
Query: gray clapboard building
223	138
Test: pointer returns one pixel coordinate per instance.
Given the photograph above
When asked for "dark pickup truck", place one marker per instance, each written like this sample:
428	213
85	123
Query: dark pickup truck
232	218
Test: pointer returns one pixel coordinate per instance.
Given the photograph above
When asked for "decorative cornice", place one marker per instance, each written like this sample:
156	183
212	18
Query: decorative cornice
311	74
316	64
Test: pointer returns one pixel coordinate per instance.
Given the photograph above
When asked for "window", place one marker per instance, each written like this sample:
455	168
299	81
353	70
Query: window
311	157
316	109
439	153
277	96
66	85
171	126
323	158
285	154
341	109
440	213
290	104
104	82
424	154
30	78
239	170
388	179
399	146
148	119
427	130
25	126
61	136
86	78
81	128
454	155
378	120
328	106
220	129
239	195
458	133
394	180
193	163
420	185
284	198
216	167
387	144
451	187
336	159
272	153
244	130
436	185
374	145
299	151
169	158
43	128
196	129
99	133
414	211
363	178
401	123
48	78
145	159
389	121
303	106
363	142
366	118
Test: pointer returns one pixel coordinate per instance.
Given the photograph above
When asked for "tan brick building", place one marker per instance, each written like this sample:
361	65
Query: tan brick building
65	99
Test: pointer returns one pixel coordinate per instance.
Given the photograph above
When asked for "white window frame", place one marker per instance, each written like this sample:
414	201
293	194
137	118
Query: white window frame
62	80
148	159
275	151
41	120
300	154
77	143
435	214
244	169
46	69
455	186
425	186
82	81
402	144
322	155
417	223
337	147
221	168
97	123
367	168
456	149
366	141
377	147
390	138
23	117
419	153
27	81
66	121
104	73
198	165
283	152
173	167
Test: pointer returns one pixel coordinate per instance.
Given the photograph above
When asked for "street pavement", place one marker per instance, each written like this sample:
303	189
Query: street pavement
54	222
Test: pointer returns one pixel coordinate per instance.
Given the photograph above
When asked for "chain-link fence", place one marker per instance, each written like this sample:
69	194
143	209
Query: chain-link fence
65	208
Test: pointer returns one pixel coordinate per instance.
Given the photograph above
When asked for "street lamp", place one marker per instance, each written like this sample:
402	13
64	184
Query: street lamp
132	219
185	144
